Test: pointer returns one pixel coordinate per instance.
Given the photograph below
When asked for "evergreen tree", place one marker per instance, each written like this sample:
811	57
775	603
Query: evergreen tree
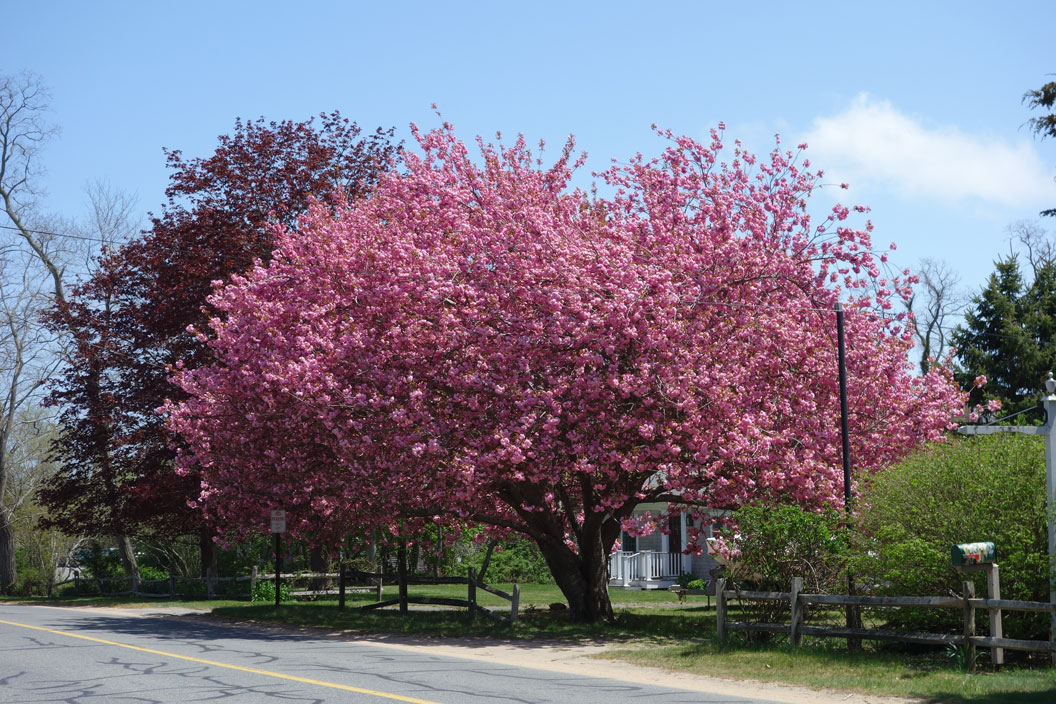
1008	336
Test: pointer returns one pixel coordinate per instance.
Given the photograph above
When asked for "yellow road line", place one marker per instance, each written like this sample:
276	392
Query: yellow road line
294	678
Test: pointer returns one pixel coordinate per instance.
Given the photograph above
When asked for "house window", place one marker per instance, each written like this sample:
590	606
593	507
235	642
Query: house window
628	542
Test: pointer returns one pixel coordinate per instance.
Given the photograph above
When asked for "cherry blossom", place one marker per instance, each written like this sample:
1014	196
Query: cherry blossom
478	341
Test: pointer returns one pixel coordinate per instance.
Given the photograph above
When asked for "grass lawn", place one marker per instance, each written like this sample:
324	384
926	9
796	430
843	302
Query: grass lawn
822	663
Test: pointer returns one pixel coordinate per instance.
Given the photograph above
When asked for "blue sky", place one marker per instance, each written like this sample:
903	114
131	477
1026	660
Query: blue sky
916	105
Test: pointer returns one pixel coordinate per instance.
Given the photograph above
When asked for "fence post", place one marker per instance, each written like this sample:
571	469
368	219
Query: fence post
720	609
993	589
172	584
968	588
515	603
209	583
402	569
471	595
341	586
796	611
252	581
135	585
380	588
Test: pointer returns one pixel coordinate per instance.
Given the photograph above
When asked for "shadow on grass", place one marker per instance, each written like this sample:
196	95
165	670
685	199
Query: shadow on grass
664	626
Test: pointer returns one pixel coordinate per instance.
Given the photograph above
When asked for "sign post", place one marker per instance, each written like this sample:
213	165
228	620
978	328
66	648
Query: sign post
278	527
1049	403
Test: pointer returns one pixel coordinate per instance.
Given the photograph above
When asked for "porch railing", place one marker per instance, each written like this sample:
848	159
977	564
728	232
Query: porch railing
627	567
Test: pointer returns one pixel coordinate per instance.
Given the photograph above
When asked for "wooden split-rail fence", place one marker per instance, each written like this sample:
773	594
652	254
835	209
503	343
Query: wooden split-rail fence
798	601
174	587
402	579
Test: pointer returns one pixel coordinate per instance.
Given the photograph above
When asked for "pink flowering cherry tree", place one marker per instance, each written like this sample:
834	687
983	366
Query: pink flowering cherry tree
479	342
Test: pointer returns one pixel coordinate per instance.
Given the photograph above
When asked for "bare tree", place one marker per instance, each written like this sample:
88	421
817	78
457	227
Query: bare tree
1033	238
936	302
24	130
26	359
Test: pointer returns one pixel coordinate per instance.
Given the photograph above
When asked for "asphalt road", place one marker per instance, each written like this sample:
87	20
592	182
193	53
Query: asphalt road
80	656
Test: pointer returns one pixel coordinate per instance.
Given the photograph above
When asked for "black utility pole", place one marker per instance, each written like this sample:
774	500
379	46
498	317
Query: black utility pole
844	430
854	617
278	567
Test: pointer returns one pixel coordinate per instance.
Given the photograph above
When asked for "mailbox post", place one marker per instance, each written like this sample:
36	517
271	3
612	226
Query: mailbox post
981	557
1049	403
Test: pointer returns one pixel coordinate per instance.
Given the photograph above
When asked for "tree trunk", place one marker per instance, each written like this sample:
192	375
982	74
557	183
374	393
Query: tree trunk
128	556
8	569
207	553
583	578
487	560
319	561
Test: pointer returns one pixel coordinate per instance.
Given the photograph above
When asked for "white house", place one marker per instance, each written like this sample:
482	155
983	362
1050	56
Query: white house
657	560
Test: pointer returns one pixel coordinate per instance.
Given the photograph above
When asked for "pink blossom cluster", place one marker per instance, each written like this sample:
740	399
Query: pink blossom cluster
478	341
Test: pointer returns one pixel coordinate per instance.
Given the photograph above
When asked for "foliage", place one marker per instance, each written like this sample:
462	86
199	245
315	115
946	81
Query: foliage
774	543
265	591
476	342
98	560
1009	336
132	314
688	581
514	560
1044	125
986	488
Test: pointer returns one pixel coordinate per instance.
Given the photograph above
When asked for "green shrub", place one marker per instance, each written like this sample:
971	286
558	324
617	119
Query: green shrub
515	560
192	591
779	542
265	592
100	560
82	587
697	584
31	582
985	488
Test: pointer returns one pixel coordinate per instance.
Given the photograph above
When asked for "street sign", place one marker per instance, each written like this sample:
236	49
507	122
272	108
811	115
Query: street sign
278	521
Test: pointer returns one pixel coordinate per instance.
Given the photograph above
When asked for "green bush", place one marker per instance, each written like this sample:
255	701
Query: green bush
192	591
985	488
265	592
779	542
83	587
149	574
100	560
515	560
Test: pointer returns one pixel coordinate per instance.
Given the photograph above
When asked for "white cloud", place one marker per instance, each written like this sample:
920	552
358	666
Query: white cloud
872	143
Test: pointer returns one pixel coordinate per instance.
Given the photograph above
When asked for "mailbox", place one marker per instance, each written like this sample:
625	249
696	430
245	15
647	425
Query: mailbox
973	554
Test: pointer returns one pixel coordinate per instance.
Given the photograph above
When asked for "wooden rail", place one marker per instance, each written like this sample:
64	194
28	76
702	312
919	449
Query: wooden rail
798	601
403	579
343	577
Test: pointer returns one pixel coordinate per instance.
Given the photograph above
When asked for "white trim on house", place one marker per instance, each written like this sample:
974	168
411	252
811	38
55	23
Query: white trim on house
643	568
